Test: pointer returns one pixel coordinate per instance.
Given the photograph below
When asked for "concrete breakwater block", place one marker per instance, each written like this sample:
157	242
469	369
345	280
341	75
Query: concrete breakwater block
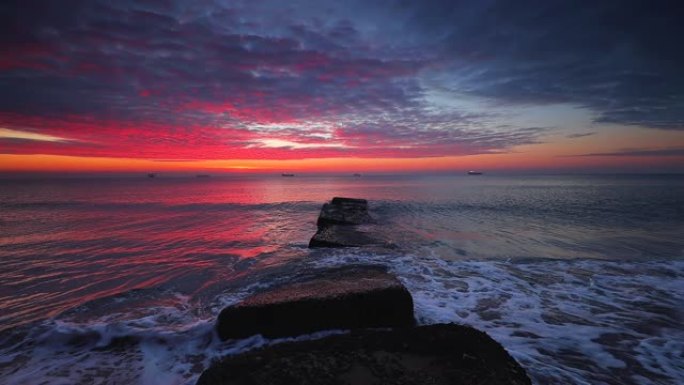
344	211
344	236
350	297
340	224
436	354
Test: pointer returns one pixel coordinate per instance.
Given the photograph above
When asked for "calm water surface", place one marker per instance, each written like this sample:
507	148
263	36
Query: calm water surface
118	281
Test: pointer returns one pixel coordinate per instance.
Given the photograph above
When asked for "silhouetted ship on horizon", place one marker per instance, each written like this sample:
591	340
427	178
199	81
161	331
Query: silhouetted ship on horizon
357	175
286	174
202	176
151	175
474	173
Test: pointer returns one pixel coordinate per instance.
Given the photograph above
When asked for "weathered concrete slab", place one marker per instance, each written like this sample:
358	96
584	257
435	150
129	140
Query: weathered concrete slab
338	225
349	201
344	211
350	297
436	354
344	236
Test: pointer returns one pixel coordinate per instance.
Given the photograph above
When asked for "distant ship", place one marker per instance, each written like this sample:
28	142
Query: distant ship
151	175
202	175
474	173
285	174
357	175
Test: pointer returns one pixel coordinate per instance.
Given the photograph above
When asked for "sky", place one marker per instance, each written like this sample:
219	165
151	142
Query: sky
341	86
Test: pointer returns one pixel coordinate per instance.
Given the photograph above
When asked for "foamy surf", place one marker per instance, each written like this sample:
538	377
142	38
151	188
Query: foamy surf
574	322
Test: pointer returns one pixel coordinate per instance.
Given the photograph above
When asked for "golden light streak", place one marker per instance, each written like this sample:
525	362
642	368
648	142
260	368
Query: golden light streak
26	135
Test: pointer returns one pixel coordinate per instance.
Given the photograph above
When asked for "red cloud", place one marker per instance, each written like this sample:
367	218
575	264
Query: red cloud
86	136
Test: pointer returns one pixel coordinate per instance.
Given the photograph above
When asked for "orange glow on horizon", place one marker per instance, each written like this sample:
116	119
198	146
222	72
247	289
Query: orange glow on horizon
486	162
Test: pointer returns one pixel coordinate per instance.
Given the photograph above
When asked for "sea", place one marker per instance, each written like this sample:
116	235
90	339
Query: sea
118	280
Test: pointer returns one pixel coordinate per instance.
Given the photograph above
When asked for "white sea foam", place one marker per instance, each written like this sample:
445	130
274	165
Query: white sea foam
570	322
166	345
574	322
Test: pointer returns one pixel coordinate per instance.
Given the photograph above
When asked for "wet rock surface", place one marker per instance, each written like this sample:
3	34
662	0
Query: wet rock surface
345	236
350	297
344	211
436	354
341	224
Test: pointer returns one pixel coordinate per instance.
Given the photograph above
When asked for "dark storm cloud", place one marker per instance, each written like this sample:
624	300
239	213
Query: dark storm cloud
621	59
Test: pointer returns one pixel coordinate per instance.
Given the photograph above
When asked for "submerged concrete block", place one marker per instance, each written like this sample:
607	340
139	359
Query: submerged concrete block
344	236
338	225
344	211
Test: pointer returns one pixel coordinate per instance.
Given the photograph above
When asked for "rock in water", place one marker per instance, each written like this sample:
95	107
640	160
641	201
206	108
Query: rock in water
339	225
350	201
343	236
344	211
351	297
436	354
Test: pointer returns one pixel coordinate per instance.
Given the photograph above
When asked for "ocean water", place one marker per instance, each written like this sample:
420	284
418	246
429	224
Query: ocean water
118	281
